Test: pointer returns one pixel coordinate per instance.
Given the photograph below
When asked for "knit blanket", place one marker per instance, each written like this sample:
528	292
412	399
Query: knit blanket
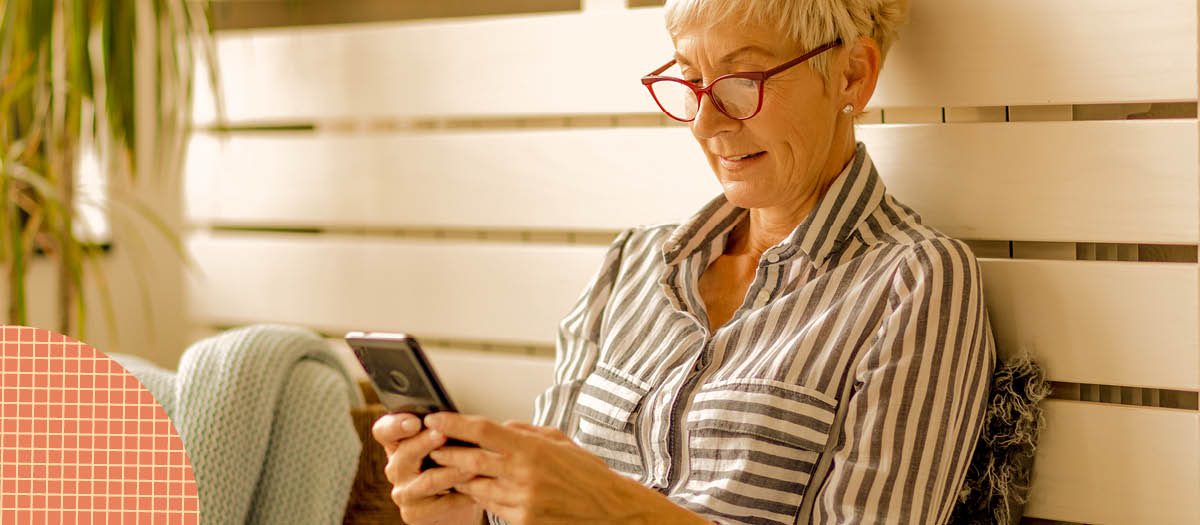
264	414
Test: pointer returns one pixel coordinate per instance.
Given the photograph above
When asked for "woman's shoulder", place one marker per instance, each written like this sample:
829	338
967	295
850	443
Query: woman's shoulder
901	230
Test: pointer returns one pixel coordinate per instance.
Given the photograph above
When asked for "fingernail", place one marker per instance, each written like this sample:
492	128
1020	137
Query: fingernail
435	435
432	420
410	425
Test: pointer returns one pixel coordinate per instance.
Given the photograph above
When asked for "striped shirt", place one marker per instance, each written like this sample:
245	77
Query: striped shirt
729	424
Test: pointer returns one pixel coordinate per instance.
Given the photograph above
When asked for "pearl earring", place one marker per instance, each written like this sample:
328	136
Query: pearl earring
848	109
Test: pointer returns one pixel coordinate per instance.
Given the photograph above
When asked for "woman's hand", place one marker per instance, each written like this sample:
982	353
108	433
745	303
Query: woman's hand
422	497
529	474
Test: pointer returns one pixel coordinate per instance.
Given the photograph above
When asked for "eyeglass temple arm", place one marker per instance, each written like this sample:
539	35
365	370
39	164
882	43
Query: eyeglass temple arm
661	69
816	51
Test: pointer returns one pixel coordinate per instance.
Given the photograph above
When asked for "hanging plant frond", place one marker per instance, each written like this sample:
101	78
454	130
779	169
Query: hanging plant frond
73	76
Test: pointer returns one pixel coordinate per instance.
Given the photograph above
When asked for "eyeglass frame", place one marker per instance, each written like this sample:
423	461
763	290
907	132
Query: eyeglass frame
759	76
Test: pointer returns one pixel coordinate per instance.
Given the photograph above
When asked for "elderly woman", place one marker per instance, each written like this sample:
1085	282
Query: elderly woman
803	349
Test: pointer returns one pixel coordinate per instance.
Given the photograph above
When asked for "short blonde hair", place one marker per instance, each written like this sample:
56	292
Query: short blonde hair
805	23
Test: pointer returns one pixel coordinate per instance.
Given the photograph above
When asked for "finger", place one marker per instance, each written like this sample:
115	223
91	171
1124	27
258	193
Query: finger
553	433
435	482
421	510
478	461
405	461
521	425
486	491
475	429
390	429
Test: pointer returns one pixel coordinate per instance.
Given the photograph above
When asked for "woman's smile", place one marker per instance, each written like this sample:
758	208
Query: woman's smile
741	161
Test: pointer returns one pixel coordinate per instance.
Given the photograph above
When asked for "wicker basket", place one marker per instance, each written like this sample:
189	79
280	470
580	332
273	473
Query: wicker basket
370	497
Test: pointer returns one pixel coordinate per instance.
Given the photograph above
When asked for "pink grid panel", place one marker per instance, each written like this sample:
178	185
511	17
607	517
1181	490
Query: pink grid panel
82	441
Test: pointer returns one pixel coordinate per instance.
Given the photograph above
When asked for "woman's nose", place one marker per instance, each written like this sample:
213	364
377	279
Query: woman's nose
709	121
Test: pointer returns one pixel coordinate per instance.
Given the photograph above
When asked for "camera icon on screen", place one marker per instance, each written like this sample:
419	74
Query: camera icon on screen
400	382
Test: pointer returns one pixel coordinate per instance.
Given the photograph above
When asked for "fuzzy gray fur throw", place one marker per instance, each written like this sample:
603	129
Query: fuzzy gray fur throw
997	483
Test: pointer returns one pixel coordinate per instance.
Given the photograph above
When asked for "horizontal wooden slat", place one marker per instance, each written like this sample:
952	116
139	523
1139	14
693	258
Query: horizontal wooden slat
1113	323
1029	52
504	292
1095	181
518	380
538	64
1130	324
274	13
560	179
988	53
1119	465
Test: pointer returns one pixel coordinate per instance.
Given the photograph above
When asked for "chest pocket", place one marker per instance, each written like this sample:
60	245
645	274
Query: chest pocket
753	445
607	403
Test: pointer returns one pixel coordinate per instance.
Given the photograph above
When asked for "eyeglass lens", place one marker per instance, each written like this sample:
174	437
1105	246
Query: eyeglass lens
738	97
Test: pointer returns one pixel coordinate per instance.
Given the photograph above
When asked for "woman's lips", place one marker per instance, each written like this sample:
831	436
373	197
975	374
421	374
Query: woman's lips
734	163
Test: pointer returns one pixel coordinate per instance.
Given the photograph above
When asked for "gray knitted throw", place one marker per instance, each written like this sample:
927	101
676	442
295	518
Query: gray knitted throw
264	414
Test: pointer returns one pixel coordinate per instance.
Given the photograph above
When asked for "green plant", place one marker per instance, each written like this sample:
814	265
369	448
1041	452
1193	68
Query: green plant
69	77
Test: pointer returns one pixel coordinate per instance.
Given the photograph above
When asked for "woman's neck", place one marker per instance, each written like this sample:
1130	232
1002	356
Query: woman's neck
766	227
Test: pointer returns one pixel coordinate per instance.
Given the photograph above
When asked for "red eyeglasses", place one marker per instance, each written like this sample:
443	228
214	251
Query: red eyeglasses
736	95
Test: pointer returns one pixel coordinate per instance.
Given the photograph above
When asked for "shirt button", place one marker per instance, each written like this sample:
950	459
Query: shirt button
763	296
773	258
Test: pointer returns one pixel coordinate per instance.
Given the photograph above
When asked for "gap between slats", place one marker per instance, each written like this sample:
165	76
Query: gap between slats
1049	113
1067	251
494	347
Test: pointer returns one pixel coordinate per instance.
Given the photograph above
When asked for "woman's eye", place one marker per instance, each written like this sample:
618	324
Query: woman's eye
696	81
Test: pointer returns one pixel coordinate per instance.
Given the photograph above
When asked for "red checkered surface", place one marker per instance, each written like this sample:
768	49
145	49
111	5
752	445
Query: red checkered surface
82	440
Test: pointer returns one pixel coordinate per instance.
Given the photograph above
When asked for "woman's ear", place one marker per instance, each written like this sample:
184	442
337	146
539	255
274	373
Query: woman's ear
861	72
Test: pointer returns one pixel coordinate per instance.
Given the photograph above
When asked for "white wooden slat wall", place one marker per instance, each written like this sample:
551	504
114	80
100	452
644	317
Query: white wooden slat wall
414	223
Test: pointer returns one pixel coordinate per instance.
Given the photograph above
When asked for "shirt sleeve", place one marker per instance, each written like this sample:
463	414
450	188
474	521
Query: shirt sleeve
578	342
920	393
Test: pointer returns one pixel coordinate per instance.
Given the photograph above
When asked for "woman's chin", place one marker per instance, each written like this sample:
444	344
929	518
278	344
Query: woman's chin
746	195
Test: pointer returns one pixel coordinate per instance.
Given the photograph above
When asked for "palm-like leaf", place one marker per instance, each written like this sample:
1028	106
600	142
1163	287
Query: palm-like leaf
58	60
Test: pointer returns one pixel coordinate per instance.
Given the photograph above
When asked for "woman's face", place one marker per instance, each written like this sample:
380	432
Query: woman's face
789	139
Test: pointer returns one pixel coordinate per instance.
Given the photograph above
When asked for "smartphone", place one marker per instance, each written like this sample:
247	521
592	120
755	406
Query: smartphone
403	378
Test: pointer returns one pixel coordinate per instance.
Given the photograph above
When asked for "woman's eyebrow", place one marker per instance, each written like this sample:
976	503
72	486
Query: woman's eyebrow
731	55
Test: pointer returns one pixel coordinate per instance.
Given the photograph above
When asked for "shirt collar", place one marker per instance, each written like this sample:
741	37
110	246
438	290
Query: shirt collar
853	196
